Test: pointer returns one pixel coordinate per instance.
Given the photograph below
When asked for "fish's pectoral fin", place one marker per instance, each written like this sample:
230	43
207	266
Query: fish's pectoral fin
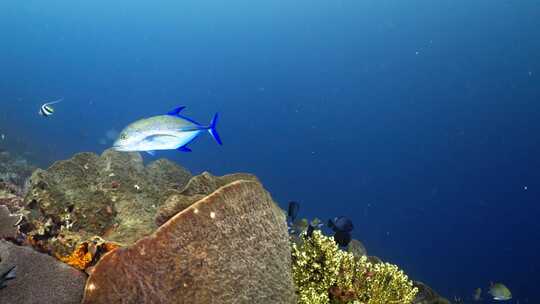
153	153
176	111
184	149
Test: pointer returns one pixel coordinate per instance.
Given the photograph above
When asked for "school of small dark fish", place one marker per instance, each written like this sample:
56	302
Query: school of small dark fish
341	226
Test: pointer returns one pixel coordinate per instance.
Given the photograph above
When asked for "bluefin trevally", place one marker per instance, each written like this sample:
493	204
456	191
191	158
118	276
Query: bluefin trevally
163	132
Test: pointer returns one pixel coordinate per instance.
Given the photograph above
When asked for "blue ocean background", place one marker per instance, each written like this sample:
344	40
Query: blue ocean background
418	119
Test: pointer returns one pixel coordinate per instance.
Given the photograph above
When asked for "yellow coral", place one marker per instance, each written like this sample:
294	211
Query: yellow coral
316	265
85	254
385	284
325	274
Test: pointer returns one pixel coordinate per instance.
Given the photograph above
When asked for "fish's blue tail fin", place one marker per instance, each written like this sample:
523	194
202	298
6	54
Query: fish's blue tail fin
212	129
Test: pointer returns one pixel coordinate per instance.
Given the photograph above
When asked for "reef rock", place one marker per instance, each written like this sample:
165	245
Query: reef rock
356	248
113	196
197	188
12	201
39	278
229	247
374	259
426	295
8	224
14	174
14	170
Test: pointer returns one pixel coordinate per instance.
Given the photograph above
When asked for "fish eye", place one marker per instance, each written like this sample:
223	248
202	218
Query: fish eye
123	136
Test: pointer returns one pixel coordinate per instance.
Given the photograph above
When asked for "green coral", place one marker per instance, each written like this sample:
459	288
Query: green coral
325	274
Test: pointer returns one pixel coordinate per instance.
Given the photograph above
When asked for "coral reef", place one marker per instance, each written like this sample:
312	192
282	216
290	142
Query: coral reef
230	247
39	278
155	234
325	274
113	196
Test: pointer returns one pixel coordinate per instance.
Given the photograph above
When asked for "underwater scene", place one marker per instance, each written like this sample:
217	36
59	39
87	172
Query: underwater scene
296	152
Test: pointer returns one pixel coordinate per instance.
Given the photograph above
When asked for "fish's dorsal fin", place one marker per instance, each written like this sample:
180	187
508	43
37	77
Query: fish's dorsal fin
176	111
53	102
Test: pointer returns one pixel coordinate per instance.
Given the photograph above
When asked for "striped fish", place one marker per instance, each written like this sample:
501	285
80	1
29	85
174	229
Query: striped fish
46	109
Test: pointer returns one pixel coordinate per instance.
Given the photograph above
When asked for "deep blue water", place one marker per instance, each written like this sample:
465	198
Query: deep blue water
419	119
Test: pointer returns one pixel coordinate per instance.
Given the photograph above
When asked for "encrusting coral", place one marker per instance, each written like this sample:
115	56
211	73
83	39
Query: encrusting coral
325	274
88	253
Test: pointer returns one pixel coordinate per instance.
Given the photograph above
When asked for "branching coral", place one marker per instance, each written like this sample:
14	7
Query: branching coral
316	265
325	274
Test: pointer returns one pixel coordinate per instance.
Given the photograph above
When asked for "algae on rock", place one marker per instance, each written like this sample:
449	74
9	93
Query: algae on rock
113	196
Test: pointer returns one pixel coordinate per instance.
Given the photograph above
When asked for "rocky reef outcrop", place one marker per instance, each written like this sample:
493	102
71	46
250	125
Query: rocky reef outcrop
39	278
157	234
112	196
229	247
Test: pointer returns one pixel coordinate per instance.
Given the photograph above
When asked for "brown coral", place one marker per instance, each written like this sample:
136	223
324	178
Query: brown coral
230	247
197	188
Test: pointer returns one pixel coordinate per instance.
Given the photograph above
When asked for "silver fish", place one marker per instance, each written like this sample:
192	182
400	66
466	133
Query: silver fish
163	132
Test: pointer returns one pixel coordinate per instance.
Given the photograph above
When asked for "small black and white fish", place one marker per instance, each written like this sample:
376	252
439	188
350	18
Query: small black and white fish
46	109
6	276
